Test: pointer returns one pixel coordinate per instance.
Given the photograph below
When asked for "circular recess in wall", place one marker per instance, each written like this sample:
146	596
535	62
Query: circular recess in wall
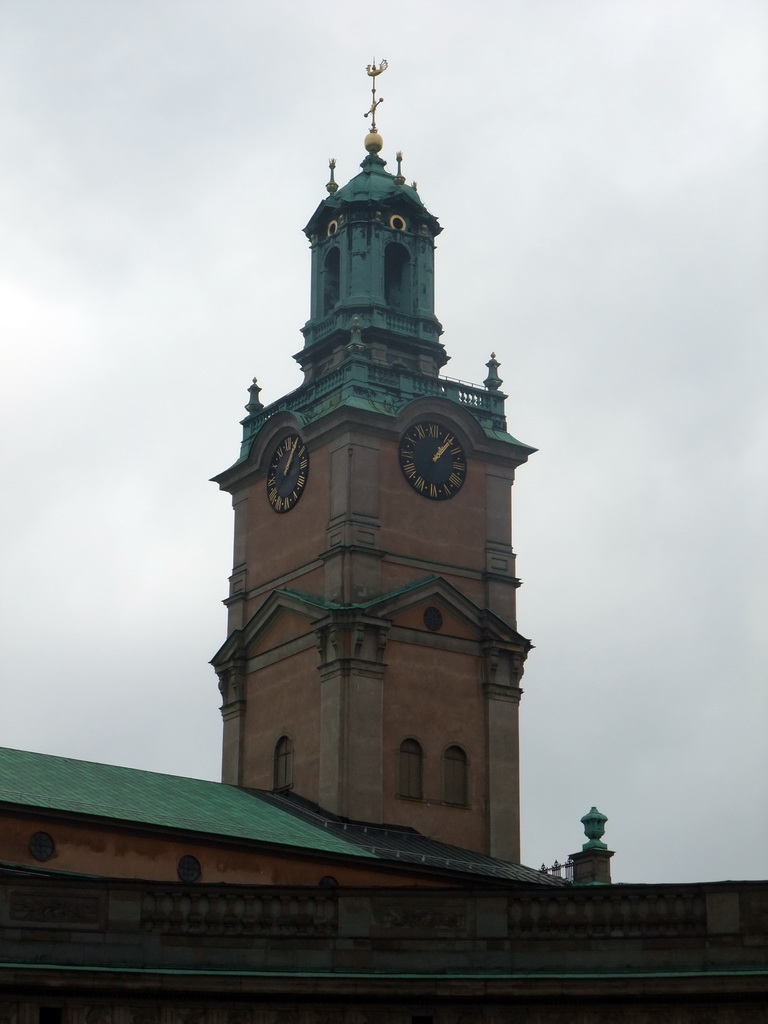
397	223
328	882
42	846
188	868
333	227
432	618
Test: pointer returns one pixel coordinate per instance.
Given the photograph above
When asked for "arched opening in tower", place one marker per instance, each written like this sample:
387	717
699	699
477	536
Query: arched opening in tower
331	279
397	280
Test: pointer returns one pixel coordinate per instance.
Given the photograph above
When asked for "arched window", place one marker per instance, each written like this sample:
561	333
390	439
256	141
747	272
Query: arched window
411	770
331	279
455	781
283	763
397	277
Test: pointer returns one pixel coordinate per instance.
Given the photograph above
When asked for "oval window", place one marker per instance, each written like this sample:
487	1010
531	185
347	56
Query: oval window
42	846
188	868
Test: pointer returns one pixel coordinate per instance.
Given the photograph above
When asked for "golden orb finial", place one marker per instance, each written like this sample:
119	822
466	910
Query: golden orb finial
373	142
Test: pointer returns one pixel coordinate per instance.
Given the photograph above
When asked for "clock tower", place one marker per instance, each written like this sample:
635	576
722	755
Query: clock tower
372	663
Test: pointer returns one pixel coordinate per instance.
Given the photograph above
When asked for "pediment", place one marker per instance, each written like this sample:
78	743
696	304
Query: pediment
461	616
281	628
434	614
282	617
286	614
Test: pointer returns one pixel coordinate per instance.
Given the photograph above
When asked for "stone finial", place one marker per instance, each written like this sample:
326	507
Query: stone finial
592	864
254	403
594	829
493	381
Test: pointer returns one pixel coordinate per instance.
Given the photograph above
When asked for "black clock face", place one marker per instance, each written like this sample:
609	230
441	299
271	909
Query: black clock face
432	460
288	472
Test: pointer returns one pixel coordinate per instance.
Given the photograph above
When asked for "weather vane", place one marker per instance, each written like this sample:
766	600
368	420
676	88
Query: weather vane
373	73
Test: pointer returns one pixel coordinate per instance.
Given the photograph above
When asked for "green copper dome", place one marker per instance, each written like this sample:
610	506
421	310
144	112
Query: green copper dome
374	182
373	185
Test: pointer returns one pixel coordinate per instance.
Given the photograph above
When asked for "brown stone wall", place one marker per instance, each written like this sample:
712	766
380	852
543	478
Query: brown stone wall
434	697
276	545
122	853
451	532
284	699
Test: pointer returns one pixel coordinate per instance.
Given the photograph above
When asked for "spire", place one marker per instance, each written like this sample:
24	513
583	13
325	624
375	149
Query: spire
372	335
372	243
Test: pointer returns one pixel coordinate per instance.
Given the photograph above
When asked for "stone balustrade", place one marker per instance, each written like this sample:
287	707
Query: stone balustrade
213	912
608	913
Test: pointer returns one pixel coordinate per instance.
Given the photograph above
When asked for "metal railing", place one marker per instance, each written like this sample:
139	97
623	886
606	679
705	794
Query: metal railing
394	386
558	870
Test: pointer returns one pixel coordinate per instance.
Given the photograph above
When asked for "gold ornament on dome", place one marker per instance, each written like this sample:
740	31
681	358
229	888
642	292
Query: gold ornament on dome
373	141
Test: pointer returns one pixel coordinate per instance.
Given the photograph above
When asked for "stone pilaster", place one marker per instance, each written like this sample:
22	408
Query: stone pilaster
232	688
502	671
351	715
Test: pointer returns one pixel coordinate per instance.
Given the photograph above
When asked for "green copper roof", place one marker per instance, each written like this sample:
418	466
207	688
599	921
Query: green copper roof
372	185
373	182
132	796
127	794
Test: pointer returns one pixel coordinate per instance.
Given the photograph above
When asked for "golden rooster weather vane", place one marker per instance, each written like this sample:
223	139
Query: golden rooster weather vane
373	72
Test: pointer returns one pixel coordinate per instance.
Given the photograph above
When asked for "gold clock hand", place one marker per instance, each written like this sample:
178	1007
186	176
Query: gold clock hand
290	457
442	449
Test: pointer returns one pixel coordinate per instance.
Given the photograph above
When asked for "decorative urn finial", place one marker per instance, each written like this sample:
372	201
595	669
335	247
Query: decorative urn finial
254	403
493	381
594	829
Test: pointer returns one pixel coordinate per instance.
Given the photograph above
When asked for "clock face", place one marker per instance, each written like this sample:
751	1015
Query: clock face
288	472
432	460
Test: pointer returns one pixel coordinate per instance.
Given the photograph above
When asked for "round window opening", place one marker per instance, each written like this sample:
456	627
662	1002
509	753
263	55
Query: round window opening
42	846
432	618
333	227
188	868
397	222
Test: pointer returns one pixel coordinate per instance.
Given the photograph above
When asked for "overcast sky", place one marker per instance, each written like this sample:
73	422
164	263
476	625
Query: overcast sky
599	169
